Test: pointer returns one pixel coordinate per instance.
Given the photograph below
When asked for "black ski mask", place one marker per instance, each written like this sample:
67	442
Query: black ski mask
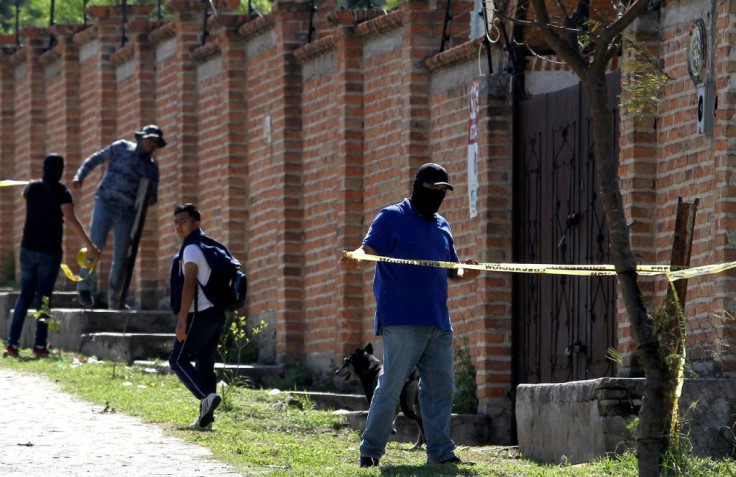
427	201
53	168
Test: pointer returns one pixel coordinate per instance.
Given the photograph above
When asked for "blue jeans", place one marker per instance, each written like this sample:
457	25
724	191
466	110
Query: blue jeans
108	215
203	334
431	351
38	272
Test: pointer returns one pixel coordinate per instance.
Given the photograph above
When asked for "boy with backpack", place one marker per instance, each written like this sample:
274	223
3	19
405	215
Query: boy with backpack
205	282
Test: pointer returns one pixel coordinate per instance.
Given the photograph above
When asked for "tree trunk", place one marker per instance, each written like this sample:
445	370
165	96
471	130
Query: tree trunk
653	428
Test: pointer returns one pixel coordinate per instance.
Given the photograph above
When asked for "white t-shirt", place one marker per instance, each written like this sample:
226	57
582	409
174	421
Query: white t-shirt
192	253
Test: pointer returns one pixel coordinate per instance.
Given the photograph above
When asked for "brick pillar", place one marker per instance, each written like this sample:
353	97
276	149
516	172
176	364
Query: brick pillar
422	28
291	25
29	117
637	170
135	68
98	108
233	205
7	153
724	216
61	74
349	96
491	326
176	100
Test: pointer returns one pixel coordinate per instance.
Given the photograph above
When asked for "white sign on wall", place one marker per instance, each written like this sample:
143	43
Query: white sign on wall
473	150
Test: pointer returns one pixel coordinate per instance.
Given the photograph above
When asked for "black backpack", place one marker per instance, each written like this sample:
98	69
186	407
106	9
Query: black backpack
227	286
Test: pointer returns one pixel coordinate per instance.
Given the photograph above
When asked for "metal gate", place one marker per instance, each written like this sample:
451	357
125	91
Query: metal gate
564	324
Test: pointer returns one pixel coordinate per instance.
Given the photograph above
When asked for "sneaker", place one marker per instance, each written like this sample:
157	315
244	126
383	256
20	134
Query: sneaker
85	298
207	409
195	426
11	351
368	461
40	352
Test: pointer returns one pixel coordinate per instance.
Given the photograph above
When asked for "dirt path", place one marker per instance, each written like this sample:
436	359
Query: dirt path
44	431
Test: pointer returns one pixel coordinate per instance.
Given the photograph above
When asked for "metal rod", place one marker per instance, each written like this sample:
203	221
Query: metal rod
252	9
52	40
206	15
312	11
448	17
17	22
84	11
487	40
511	50
158	10
125	19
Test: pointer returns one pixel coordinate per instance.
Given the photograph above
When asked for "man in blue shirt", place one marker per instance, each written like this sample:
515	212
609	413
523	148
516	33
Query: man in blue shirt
412	315
128	163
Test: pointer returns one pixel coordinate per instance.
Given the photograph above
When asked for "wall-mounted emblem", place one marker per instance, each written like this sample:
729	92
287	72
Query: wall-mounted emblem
696	53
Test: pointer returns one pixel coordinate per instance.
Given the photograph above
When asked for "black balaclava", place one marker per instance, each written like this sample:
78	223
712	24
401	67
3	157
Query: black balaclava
53	168
427	201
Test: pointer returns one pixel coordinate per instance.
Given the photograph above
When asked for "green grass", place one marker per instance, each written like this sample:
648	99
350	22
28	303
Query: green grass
263	433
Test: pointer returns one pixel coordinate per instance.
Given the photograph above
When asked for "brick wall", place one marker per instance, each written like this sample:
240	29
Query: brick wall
723	221
176	109
290	149
638	172
29	116
320	123
7	153
663	158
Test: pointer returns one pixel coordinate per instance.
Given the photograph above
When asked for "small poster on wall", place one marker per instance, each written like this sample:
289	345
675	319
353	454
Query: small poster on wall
473	150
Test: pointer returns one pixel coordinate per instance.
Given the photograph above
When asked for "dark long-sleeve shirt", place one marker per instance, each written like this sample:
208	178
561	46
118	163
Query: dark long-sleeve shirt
127	166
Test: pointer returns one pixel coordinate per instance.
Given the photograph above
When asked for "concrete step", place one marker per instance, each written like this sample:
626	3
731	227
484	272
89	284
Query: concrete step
131	321
258	375
60	299
78	327
126	347
75	322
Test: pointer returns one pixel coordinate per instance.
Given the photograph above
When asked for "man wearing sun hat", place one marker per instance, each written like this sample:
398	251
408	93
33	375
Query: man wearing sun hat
128	163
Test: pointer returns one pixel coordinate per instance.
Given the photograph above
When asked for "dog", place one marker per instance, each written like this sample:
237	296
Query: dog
361	365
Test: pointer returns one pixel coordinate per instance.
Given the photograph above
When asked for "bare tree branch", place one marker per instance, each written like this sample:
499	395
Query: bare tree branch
630	14
569	53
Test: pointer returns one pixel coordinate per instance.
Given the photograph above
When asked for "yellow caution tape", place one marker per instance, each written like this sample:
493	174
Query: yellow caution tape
702	270
580	270
10	182
69	274
83	262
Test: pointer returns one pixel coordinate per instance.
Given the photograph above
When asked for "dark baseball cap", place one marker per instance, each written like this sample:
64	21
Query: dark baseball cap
434	174
152	131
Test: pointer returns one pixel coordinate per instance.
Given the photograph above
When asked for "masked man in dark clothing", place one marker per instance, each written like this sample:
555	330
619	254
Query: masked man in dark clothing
412	315
48	205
